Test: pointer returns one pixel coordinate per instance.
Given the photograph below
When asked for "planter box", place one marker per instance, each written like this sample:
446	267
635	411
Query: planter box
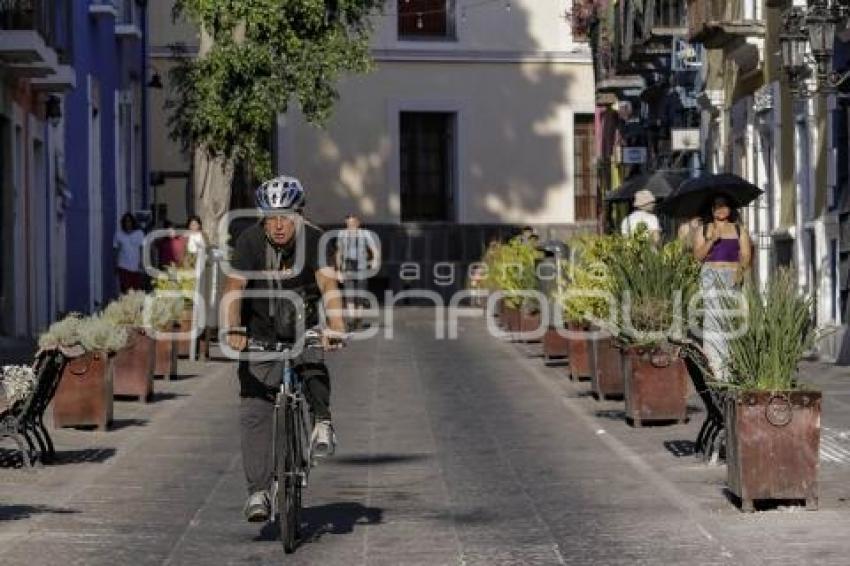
134	366
84	394
165	363
773	446
579	354
555	346
183	344
656	386
510	319
606	375
529	322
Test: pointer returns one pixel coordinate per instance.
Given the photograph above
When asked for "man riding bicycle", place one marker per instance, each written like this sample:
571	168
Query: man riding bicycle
271	246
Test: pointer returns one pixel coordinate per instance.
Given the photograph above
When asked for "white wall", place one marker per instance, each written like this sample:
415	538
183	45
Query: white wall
514	140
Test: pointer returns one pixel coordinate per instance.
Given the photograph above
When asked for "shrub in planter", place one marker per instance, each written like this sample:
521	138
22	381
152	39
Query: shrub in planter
134	363
654	287
772	421
164	314
511	270
181	283
584	300
84	394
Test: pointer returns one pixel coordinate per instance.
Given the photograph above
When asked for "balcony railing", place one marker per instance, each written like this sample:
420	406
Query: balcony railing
666	17
51	19
716	23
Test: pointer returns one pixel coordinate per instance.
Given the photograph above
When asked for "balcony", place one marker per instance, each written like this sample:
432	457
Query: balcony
35	36
666	18
107	8
62	79
128	25
715	24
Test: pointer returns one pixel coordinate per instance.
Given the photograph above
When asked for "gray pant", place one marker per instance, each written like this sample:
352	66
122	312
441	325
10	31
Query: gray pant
714	335
258	387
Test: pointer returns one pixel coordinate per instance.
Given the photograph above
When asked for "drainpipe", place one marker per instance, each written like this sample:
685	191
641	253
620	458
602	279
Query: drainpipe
145	121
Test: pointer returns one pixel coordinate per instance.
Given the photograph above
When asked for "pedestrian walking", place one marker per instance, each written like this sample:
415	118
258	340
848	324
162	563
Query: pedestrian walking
357	252
723	246
127	244
196	243
642	215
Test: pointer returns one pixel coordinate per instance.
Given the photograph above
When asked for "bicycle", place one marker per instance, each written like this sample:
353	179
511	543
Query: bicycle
291	441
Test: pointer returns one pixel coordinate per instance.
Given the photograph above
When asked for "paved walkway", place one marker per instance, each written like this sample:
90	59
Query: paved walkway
452	452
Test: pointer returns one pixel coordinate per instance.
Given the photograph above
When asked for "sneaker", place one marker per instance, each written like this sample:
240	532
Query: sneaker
324	439
257	508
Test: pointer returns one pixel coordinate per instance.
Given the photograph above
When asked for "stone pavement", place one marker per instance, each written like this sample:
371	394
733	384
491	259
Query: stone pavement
465	451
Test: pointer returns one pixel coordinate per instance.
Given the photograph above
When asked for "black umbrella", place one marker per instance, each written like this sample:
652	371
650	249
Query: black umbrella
660	184
694	196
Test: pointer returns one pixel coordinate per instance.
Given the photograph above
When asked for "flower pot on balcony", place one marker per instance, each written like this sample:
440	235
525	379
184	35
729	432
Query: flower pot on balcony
656	386
166	358
578	347
606	374
134	365
773	446
84	394
555	346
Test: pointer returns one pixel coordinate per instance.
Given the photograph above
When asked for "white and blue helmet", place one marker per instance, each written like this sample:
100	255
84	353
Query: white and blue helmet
281	193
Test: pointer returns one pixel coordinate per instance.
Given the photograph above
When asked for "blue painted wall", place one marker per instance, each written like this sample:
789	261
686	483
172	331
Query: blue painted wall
114	62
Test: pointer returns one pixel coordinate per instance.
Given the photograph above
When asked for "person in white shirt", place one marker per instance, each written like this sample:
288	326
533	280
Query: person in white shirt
644	205
127	244
357	253
196	241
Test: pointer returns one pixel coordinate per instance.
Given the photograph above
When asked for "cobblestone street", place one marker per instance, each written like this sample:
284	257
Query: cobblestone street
466	451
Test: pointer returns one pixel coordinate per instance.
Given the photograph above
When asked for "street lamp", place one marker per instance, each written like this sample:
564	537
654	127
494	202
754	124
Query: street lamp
820	23
793	41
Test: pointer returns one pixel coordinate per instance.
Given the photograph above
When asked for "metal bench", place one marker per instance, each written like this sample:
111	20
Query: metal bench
23	422
711	439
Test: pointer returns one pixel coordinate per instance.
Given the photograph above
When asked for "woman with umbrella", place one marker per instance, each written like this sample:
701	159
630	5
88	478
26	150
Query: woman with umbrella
722	245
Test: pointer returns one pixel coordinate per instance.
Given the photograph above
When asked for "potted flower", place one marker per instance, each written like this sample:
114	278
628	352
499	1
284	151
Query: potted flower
588	309
654	288
134	363
84	394
772	420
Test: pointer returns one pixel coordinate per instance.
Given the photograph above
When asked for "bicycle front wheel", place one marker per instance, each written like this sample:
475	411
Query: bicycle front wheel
289	479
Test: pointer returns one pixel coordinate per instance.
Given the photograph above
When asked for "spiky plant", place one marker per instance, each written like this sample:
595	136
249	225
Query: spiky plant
780	329
654	288
587	278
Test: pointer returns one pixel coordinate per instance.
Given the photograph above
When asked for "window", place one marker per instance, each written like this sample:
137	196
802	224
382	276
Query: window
426	19
584	172
427	166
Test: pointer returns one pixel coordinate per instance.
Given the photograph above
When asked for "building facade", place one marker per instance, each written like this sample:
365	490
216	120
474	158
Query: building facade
36	58
106	143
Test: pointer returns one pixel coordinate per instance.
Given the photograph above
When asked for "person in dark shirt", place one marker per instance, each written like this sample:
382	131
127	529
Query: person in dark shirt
279	255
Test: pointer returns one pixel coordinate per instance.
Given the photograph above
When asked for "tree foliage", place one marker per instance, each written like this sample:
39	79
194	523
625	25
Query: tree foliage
264	54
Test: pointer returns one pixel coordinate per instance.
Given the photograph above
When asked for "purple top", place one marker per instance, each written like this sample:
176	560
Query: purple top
725	249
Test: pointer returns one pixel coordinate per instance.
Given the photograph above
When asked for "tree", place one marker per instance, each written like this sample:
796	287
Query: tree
256	57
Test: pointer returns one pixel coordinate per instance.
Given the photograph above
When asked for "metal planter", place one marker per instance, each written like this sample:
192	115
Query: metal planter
606	375
656	386
134	365
510	319
165	364
84	394
773	446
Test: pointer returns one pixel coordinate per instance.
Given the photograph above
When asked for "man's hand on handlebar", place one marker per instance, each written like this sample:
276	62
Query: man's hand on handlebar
333	339
237	339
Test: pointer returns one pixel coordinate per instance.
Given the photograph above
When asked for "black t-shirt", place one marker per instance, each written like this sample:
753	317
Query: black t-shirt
269	319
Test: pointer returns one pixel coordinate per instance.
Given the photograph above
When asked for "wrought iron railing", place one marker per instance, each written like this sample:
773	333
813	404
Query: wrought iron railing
666	14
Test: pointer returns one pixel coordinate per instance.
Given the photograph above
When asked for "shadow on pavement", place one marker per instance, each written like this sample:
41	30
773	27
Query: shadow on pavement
118	424
18	512
377	459
680	448
336	519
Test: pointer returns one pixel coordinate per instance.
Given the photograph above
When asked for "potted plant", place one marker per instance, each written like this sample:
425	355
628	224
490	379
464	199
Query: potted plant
84	394
134	363
180	282
654	288
772	420
512	271
590	310
164	312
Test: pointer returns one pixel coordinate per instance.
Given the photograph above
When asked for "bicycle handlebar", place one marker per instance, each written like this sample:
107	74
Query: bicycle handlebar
312	339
